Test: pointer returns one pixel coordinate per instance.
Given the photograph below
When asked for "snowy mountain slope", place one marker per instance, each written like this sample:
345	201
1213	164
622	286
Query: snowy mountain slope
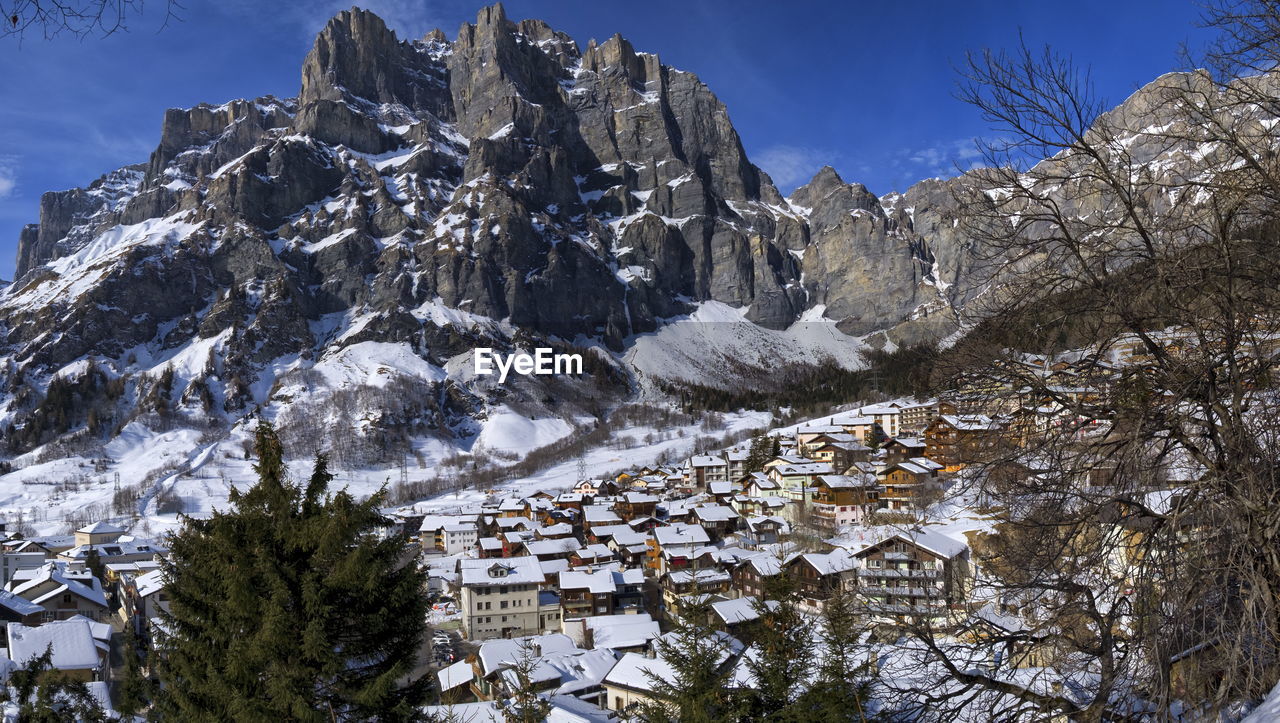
330	261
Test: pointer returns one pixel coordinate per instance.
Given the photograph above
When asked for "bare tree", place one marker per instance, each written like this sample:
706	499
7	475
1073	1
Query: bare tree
1127	342
80	18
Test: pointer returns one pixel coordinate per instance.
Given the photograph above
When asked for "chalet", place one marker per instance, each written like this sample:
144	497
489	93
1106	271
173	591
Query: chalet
717	520
572	501
512	507
679	584
631	505
840	500
762	530
913	573
901	449
489	547
720	491
701	470
751	576
758	484
819	575
955	441
903	484
602	592
840	455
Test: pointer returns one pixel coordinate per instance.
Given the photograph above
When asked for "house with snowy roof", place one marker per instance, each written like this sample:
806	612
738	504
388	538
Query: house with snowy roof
958	440
904	484
98	533
62	592
74	650
916	572
633	679
621	633
708	584
499	598
819	575
703	469
842	499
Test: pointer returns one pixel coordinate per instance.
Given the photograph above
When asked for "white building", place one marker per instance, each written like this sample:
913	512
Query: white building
499	597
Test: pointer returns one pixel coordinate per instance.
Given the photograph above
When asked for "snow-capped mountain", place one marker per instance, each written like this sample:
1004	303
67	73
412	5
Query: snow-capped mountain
329	261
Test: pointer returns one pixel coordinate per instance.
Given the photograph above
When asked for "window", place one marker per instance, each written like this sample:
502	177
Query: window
503	605
873	563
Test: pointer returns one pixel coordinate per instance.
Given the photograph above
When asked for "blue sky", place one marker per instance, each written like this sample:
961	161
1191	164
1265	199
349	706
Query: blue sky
864	87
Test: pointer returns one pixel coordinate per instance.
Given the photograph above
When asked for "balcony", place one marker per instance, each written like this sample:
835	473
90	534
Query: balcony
883	609
929	592
895	573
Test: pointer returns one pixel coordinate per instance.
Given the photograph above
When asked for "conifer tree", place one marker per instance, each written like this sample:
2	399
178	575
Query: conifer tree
781	660
700	660
135	690
46	695
844	676
525	705
288	606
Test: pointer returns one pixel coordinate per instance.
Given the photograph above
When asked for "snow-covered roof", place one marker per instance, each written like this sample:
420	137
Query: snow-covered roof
702	577
497	654
150	583
597	583
681	534
506	571
554	546
460	673
71	640
811	468
635	672
714	513
706	460
18	605
622	631
101	528
86	587
845	482
969	422
576	670
739	610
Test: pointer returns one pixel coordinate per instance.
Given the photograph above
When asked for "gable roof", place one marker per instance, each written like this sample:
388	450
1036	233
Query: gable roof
64	582
71	642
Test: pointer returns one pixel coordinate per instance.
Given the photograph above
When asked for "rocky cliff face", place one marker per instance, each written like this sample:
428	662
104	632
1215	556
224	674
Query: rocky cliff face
504	187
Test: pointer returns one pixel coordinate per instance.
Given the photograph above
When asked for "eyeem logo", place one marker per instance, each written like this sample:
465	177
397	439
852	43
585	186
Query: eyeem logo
541	362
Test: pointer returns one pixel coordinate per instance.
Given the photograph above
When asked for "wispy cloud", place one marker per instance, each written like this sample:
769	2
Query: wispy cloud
941	159
790	166
8	179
